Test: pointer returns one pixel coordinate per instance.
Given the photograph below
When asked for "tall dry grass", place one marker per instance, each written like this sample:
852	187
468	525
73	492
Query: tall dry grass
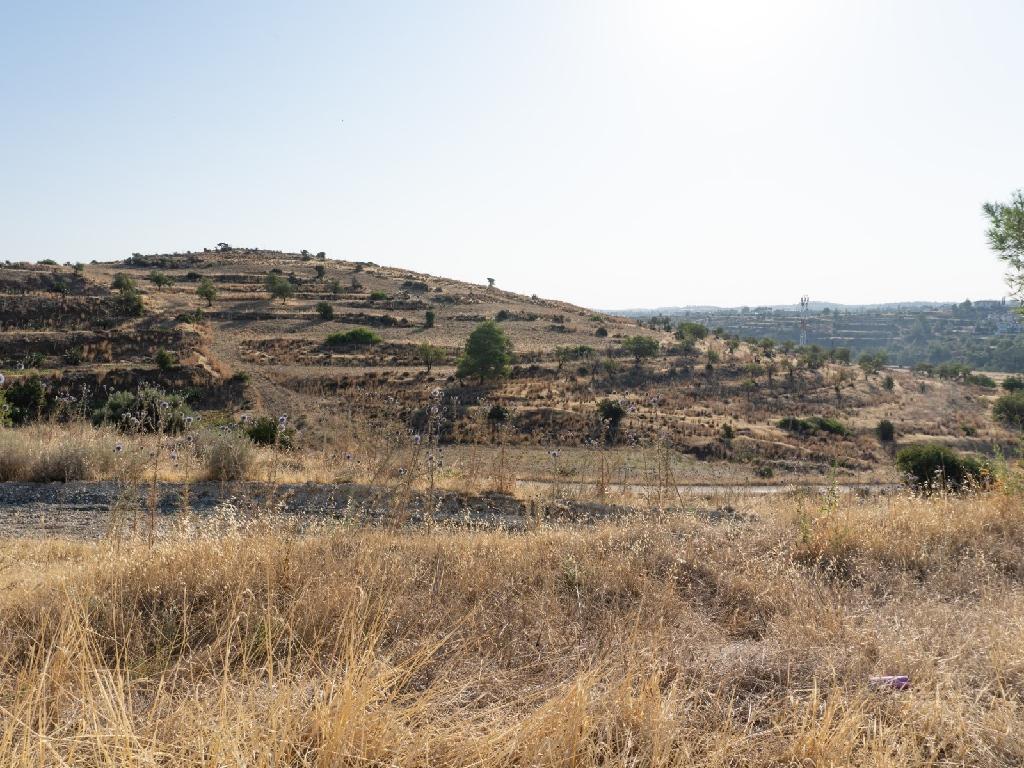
52	452
641	642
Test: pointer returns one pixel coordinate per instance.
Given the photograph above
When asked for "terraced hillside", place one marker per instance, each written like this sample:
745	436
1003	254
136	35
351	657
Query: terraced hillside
708	409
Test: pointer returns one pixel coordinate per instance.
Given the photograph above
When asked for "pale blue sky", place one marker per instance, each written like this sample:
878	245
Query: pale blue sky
614	154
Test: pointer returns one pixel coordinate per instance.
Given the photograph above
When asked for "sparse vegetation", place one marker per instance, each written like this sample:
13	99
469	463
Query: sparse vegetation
324	310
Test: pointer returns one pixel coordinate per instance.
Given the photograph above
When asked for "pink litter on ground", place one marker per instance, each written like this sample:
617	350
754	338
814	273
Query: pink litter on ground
896	682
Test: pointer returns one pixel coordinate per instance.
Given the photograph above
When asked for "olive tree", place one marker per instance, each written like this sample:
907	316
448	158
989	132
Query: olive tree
207	290
641	347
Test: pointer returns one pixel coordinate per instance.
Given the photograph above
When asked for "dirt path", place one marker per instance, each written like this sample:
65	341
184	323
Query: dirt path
97	509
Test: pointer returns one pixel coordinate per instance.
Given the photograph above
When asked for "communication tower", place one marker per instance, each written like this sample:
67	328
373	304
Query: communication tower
805	306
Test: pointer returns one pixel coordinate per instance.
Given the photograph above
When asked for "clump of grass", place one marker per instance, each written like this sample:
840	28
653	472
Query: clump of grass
226	455
43	453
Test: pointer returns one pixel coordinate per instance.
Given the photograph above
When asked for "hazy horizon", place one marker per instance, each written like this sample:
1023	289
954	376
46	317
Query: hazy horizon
614	155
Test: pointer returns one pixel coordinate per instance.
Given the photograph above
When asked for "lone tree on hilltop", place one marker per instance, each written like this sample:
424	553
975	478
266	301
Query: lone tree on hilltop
487	355
1006	237
206	290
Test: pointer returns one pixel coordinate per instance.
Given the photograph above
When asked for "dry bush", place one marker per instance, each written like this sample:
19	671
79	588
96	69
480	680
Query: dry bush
226	455
637	643
17	454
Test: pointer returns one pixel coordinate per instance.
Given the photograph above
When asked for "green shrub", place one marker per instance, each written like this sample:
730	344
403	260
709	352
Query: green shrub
429	318
813	424
935	467
149	409
981	380
1009	409
687	330
195	316
122	282
267	431
130	302
164	360
325	310
378	296
885	431
1013	384
601	332
357	337
829	425
498	414
612	413
26	400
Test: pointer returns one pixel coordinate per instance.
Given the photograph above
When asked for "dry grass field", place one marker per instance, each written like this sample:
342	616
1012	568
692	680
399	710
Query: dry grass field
650	641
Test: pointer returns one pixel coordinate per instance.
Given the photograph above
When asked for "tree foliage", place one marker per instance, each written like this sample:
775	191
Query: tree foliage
279	287
641	347
1009	409
487	355
206	290
1006	237
430	355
